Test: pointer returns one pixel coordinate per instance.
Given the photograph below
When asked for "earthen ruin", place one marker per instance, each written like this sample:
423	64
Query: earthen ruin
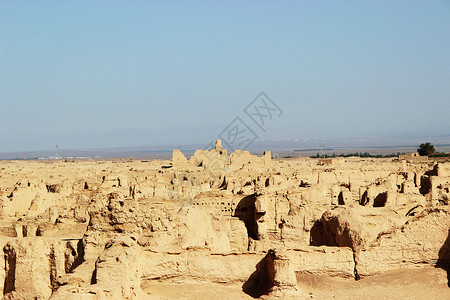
124	229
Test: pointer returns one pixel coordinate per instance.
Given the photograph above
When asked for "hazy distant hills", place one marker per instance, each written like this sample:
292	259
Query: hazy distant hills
148	143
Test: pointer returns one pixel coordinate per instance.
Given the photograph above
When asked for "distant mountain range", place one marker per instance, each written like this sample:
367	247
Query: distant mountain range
145	142
142	143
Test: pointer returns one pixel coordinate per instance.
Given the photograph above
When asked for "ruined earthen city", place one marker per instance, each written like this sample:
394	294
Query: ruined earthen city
225	226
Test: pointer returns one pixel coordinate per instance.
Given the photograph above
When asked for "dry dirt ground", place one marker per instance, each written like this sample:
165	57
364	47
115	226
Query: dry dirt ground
420	283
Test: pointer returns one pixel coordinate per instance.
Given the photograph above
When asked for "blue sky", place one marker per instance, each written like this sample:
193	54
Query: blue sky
74	69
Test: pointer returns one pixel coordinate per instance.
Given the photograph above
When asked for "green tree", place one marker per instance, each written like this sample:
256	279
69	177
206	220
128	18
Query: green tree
426	149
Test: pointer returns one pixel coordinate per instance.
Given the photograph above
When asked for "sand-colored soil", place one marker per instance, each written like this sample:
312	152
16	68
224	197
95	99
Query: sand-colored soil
423	283
420	283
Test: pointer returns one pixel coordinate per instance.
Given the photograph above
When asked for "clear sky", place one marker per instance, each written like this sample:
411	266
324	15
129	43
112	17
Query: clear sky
74	69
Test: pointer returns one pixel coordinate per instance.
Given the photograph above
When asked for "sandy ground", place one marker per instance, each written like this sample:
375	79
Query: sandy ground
193	291
421	283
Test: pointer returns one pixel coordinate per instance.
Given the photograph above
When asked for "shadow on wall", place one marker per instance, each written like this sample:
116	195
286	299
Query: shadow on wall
324	234
317	235
245	211
444	258
262	280
10	269
380	200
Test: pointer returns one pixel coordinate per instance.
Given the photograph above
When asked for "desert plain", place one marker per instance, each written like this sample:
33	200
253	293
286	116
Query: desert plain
225	226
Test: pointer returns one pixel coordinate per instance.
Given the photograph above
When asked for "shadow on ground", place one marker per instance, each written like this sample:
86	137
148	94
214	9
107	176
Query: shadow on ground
262	280
444	258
